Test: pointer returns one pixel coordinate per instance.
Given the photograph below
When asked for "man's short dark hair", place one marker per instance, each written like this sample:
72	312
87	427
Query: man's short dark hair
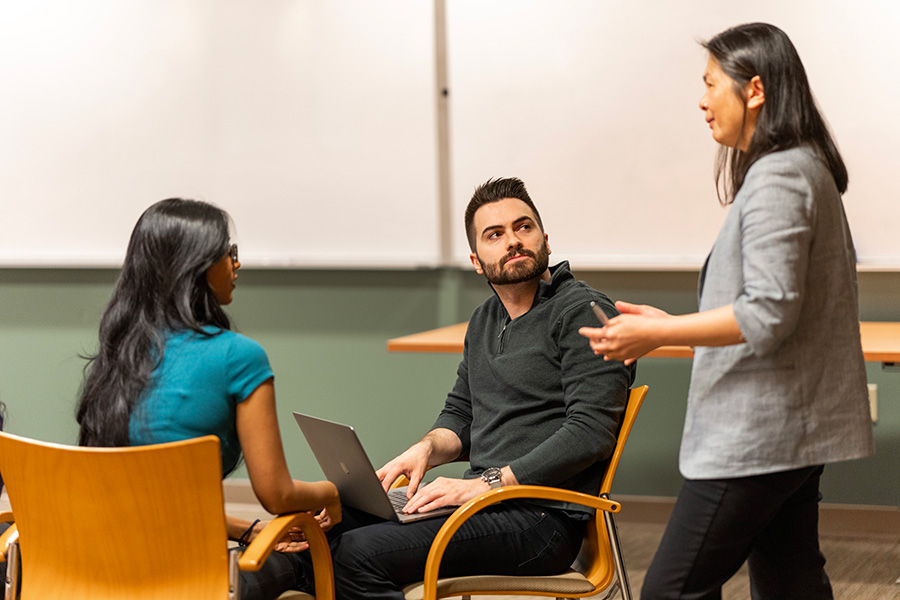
494	190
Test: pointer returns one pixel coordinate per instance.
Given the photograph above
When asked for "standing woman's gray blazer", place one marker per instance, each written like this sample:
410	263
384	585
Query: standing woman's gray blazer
795	393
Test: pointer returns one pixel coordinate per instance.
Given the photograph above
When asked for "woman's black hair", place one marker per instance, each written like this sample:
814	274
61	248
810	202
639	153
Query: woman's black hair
162	287
788	118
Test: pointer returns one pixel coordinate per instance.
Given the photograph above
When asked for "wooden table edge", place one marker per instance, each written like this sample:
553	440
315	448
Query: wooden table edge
880	341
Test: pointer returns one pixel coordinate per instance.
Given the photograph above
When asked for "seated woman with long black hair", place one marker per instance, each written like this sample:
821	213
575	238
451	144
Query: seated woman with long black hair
169	368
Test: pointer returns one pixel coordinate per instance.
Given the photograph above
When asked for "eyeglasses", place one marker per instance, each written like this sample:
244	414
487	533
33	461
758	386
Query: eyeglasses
233	252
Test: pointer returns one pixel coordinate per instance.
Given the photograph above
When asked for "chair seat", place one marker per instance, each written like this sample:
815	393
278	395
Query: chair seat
570	582
293	595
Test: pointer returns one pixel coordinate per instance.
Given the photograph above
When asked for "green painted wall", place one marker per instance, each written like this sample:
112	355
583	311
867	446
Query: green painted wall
325	333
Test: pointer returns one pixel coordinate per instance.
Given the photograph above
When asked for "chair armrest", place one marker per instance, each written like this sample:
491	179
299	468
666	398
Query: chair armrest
459	516
9	536
400	481
259	550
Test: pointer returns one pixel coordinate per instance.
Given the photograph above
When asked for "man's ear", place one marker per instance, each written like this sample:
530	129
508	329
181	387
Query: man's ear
476	263
547	242
756	94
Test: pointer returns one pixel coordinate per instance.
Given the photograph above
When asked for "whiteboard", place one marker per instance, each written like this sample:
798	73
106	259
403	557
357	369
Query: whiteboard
594	104
311	121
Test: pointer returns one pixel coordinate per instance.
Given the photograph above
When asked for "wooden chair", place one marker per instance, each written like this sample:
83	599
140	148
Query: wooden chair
142	522
7	538
599	566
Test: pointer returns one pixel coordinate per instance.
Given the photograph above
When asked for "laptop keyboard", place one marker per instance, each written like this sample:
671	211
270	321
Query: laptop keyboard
398	499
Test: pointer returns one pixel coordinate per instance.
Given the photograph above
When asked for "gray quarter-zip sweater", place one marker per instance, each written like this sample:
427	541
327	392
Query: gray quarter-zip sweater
531	394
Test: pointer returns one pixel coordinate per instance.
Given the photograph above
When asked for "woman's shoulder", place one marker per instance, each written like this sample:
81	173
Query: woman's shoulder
800	160
215	337
238	342
796	172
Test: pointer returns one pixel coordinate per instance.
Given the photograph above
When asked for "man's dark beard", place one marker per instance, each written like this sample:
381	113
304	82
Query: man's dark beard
518	272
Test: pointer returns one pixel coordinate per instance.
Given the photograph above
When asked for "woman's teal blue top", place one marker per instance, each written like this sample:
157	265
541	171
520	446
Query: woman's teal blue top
196	388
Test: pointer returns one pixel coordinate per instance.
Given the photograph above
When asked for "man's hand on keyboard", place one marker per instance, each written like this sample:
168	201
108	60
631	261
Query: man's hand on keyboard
444	491
411	463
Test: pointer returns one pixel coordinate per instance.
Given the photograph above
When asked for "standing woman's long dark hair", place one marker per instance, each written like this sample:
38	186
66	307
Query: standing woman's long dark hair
162	287
788	118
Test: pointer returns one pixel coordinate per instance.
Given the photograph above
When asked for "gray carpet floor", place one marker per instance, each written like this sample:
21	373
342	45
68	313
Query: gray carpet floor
859	568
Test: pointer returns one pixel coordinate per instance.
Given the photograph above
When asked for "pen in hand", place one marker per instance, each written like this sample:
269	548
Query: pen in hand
600	314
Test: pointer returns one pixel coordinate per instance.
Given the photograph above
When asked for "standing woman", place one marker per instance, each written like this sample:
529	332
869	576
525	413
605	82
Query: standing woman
169	368
778	386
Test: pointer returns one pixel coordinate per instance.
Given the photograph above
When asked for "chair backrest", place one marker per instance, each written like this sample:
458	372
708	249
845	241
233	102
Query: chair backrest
635	400
596	558
143	522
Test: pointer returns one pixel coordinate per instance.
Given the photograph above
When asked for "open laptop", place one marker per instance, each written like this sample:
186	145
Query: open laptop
346	464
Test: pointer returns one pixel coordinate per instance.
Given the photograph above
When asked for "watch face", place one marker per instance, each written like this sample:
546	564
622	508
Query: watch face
492	476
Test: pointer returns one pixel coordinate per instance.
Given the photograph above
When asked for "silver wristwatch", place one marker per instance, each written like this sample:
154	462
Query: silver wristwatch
491	476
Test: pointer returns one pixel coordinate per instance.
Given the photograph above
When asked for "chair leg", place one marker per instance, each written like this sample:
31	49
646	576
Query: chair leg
619	562
234	574
12	571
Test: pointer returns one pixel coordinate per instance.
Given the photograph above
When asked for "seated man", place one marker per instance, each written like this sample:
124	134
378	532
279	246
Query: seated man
531	405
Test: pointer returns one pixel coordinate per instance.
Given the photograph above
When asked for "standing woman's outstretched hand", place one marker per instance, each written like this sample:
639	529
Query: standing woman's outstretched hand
629	335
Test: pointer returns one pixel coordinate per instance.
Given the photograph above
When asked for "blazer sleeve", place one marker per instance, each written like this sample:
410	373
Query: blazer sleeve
777	221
